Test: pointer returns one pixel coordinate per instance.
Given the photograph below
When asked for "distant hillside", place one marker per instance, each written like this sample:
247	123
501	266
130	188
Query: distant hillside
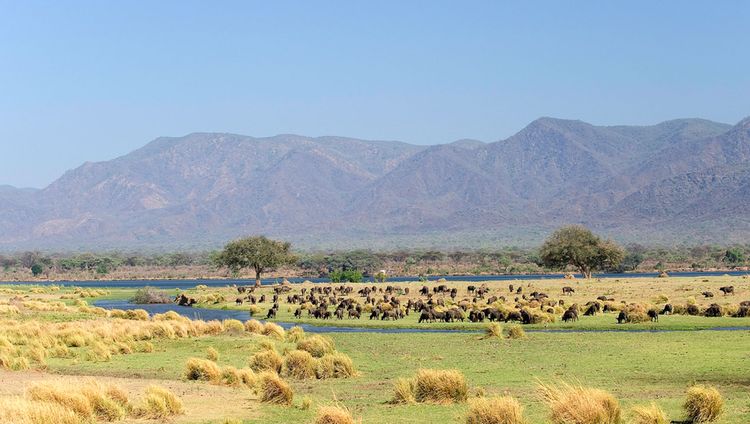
682	180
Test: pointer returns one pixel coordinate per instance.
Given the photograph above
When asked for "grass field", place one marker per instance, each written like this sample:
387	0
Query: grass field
636	367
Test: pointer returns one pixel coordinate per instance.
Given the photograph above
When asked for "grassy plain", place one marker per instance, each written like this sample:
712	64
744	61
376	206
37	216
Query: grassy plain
637	367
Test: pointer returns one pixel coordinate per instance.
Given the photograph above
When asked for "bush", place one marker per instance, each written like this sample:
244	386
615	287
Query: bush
202	370
650	414
333	415
580	405
272	389
298	364
703	404
317	345
495	410
148	295
266	360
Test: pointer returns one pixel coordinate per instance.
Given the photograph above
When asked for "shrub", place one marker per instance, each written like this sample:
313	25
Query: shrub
494	330
272	389
650	414
298	364
703	404
333	415
150	295
212	354
266	360
580	405
495	410
440	386
516	332
202	370
317	345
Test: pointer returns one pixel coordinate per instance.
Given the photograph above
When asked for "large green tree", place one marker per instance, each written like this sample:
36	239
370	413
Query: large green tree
577	246
258	253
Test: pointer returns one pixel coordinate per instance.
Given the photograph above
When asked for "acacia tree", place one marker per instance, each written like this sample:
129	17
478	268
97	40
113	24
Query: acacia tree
259	253
577	246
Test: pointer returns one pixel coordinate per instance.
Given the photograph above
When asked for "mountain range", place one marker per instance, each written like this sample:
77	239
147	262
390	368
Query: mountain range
680	181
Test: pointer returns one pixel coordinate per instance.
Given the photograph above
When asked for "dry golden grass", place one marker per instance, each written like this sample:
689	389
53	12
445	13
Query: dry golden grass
202	370
23	411
516	332
266	360
272	389
212	354
317	345
295	334
333	415
493	331
703	404
495	410
90	401
158	403
648	414
299	364
574	404
432	386
254	326
273	330
335	365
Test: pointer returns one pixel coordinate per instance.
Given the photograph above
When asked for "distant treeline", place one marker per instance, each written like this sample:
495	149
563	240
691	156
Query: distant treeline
366	263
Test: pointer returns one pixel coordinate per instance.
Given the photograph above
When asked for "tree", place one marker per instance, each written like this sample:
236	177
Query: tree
734	256
36	269
259	253
577	246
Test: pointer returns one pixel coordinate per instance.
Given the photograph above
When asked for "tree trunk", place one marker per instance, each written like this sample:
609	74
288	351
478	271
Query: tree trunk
257	278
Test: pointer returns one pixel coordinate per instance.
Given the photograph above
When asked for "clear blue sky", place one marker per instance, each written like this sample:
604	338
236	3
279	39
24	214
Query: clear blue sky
94	80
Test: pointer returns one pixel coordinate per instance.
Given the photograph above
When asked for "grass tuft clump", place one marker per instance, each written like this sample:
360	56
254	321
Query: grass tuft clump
493	331
432	386
266	360
648	414
495	410
333	415
272	389
571	404
299	364
202	370
516	332
212	354
317	345
704	404
295	334
273	330
159	403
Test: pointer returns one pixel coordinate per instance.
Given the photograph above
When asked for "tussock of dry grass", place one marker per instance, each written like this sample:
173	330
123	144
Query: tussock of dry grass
572	404
495	410
432	386
648	414
703	404
299	364
272	389
516	332
266	360
273	330
493	331
158	403
317	345
335	365
295	334
25	411
333	415
90	401
212	354
202	370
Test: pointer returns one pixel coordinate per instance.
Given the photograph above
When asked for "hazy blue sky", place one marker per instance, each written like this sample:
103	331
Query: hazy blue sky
93	80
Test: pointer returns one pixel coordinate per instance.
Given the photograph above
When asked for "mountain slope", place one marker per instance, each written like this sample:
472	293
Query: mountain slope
199	190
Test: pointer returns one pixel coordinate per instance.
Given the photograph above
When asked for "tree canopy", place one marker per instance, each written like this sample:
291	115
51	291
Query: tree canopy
258	253
577	246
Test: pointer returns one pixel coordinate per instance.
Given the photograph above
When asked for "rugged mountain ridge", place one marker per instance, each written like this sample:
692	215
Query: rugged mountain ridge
681	180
